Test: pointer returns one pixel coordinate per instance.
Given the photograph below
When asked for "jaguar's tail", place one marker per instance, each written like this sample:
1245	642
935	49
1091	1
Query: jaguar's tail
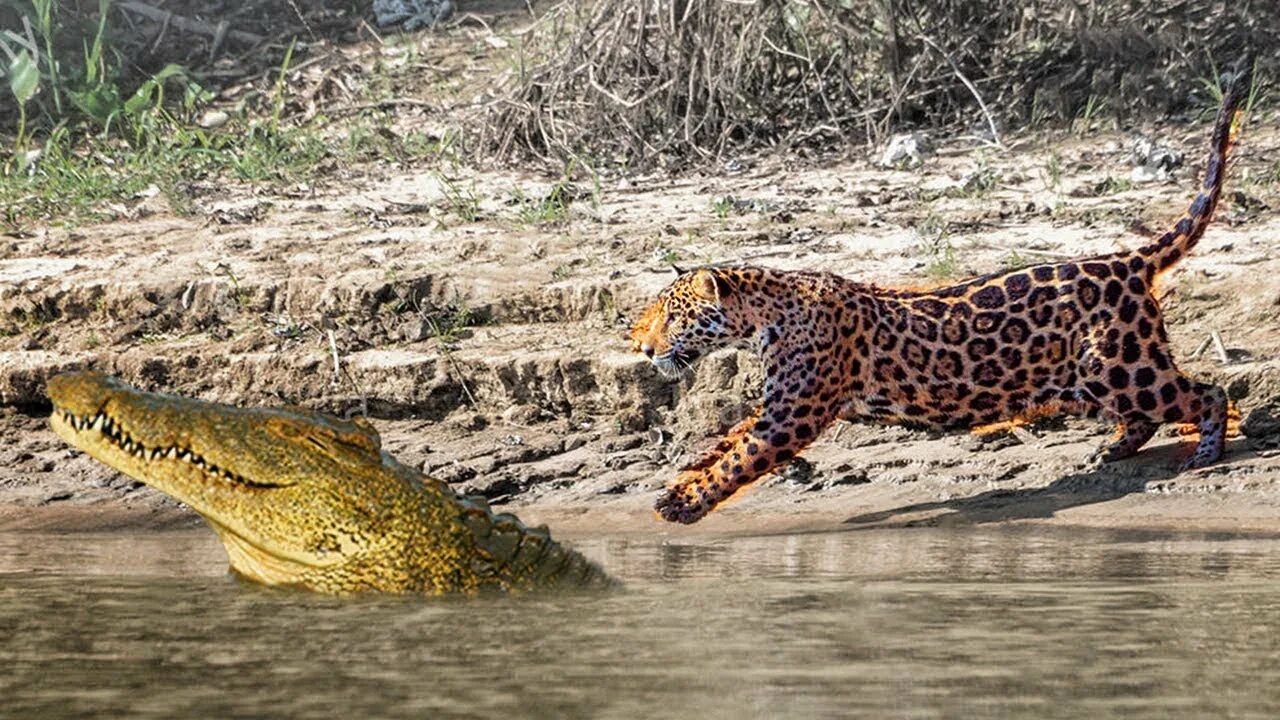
1177	242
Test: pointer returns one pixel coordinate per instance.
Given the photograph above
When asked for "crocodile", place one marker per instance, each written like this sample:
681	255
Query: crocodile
307	500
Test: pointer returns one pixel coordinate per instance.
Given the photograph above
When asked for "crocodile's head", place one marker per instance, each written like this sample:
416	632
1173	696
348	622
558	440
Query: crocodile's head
298	498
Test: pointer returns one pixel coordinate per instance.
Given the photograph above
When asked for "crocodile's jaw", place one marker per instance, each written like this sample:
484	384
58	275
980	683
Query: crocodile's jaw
251	554
282	523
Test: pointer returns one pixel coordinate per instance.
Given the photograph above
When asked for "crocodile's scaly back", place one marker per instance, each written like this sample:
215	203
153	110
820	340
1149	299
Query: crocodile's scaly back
305	499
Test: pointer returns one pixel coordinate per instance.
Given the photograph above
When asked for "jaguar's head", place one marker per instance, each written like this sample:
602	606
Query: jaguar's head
690	318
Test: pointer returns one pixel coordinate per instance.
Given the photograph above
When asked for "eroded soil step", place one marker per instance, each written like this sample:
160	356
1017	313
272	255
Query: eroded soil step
565	369
58	304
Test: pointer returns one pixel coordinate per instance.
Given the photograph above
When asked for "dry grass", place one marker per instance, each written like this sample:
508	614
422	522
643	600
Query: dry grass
615	82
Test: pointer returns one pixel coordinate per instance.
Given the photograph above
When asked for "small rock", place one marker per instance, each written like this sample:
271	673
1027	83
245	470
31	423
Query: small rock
1261	422
213	119
521	415
632	421
57	497
29	158
624	459
411	14
624	443
798	471
1238	388
906	150
503	488
1152	162
573	442
126	333
857	477
469	421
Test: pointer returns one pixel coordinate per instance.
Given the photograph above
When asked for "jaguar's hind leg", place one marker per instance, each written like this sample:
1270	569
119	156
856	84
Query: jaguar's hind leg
1206	406
1133	433
1147	398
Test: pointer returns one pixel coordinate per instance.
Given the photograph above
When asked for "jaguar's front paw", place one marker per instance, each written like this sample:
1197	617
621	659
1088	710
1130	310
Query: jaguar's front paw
683	504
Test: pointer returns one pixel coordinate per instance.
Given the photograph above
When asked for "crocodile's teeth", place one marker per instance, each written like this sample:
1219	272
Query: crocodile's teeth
99	421
172	454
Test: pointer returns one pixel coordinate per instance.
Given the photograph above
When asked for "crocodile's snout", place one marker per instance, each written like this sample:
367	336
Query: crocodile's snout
83	393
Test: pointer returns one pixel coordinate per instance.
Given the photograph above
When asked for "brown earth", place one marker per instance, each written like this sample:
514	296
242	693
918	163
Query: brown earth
487	343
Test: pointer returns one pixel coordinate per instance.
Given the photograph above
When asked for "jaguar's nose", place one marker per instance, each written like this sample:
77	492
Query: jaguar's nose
647	349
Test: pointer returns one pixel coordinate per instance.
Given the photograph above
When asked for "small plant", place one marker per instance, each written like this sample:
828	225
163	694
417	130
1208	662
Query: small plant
1213	86
936	243
1015	261
28	319
1112	185
24	81
238	294
448	322
982	180
268	152
1092	110
721	207
942	265
460	201
1051	173
551	207
420	145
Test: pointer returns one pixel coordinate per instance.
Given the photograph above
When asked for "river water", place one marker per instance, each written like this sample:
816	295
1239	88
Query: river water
918	623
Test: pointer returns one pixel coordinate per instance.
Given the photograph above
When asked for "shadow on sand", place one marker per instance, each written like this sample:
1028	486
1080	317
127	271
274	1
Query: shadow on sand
1098	484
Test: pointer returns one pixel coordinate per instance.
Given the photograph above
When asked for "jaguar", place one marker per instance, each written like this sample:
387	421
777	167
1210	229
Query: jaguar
1083	337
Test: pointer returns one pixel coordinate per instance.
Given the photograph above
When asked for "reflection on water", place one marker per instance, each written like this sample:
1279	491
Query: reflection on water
922	623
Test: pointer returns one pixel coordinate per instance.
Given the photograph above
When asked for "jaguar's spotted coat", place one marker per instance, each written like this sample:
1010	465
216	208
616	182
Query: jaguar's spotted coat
1082	337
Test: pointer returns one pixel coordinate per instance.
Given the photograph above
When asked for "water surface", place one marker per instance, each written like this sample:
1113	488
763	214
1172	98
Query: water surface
919	623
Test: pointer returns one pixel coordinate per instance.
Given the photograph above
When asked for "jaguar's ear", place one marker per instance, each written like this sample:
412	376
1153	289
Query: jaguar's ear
715	285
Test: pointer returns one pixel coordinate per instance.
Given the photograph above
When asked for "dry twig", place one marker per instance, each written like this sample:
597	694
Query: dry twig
190	25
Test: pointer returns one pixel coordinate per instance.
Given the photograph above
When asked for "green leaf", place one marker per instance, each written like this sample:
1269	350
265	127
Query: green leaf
168	71
24	77
141	99
100	102
146	95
